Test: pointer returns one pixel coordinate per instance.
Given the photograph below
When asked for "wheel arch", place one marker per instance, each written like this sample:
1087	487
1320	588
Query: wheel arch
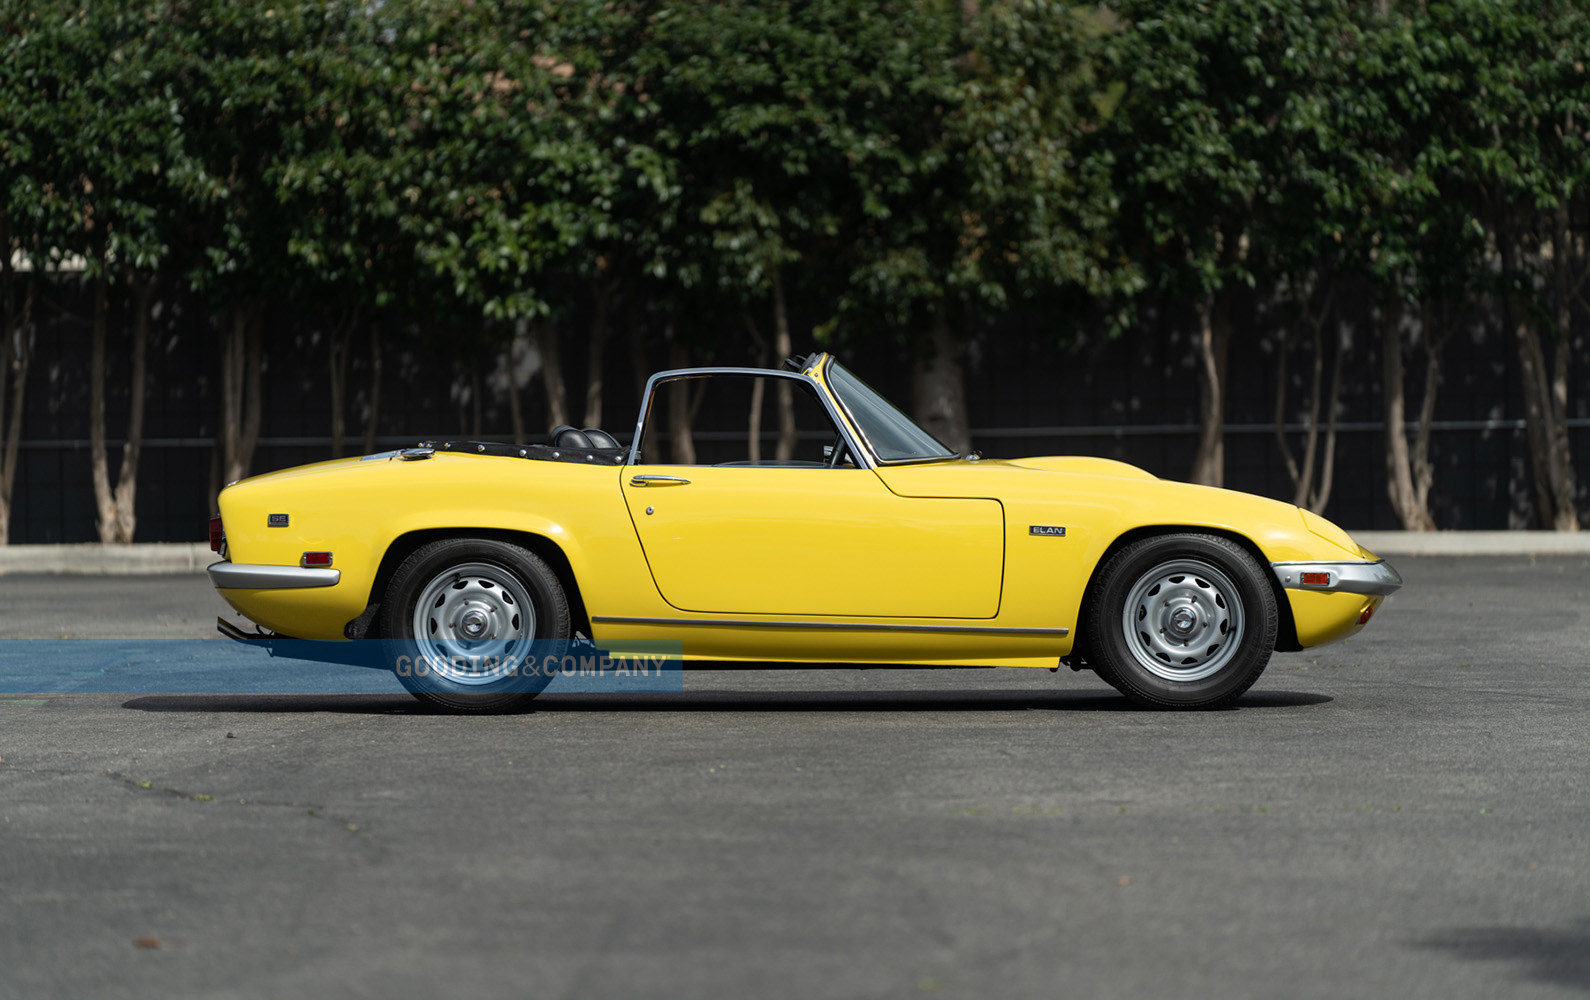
1286	626
406	544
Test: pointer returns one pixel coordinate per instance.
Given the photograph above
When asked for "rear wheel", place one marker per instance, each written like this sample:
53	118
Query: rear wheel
1182	621
462	617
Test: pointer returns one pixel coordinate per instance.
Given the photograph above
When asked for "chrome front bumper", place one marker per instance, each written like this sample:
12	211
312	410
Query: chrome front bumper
1374	578
243	576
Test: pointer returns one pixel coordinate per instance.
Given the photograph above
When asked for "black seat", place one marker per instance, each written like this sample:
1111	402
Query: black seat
600	438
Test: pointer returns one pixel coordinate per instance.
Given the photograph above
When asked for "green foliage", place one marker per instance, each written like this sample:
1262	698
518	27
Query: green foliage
1031	217
784	122
1210	148
86	151
1513	140
896	159
502	185
991	204
241	76
1396	212
339	178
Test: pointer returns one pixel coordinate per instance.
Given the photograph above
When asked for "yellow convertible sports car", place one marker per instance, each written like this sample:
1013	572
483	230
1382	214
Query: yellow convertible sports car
725	528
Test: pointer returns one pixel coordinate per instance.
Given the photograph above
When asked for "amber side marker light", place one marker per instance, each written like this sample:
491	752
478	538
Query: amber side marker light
1316	579
217	535
317	559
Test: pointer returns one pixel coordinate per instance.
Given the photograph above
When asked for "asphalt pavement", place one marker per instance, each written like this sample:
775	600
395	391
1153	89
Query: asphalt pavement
1400	815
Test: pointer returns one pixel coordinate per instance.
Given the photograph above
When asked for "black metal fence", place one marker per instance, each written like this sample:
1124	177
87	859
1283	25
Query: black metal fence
1131	398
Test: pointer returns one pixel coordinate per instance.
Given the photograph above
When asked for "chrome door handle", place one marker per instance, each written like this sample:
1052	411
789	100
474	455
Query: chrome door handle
658	481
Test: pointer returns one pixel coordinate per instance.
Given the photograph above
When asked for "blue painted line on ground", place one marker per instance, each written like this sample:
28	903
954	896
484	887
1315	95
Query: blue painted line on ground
116	664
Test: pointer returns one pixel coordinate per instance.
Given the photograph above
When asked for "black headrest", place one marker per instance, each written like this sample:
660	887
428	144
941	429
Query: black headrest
564	436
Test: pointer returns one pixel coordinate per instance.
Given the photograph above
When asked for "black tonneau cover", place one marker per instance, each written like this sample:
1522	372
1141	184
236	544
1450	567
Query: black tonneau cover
537	452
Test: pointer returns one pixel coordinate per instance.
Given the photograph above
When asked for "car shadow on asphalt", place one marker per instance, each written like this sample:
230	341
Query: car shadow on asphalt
1556	956
712	701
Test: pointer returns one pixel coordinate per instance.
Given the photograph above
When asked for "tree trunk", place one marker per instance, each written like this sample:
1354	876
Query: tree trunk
1551	478
375	388
341	345
681	415
1567	518
753	429
1299	471
635	331
594	356
1400	490
126	496
1311	476
1423	469
515	411
1214	340
339	383
104	503
1321	496
783	348
1538	431
552	373
476	391
938	386
241	364
116	508
15	353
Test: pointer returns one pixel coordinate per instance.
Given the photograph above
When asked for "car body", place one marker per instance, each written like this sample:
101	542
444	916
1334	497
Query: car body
862	540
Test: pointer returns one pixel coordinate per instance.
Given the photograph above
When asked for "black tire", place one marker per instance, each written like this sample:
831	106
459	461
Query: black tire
1181	621
486	603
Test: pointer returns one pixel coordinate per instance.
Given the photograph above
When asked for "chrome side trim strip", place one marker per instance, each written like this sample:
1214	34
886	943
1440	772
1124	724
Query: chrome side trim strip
1374	578
243	576
835	626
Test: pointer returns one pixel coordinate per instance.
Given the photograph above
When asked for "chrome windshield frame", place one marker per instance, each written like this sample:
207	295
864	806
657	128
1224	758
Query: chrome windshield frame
824	364
863	456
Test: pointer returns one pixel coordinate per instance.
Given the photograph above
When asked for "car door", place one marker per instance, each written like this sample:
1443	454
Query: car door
803	535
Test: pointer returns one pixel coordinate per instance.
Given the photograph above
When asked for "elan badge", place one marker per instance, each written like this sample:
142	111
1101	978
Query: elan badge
1047	529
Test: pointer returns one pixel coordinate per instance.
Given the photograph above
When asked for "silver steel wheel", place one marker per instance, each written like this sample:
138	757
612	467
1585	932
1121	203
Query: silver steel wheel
472	622
1183	620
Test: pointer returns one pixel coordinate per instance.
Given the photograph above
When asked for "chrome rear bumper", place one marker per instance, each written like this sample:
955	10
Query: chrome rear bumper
243	576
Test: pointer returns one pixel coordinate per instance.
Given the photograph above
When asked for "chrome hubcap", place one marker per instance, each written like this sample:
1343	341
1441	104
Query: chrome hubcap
473	625
1183	620
474	622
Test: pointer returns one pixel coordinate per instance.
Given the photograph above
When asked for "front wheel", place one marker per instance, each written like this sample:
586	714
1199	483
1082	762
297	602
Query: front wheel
1181	621
462	618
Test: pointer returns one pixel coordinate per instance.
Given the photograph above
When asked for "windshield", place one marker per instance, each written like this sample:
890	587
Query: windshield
893	436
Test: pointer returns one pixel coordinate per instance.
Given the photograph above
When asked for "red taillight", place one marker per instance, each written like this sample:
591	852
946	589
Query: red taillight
316	559
1316	579
217	534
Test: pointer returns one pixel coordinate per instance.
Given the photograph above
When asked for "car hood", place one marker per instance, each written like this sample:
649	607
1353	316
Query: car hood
1112	497
1081	465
